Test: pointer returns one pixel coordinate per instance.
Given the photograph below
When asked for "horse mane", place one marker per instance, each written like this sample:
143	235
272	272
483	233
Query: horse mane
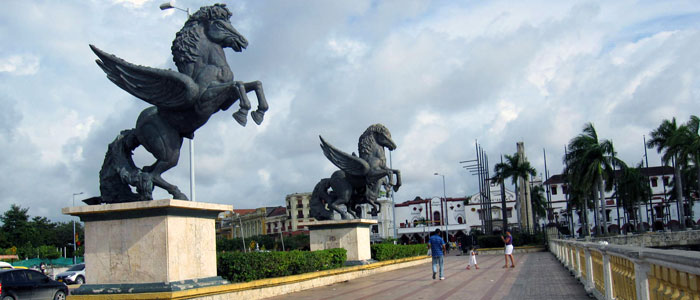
367	142
184	46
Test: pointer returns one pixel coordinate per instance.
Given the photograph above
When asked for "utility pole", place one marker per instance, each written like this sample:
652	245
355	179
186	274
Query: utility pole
74	239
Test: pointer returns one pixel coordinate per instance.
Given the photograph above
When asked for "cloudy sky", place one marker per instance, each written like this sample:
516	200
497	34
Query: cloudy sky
439	74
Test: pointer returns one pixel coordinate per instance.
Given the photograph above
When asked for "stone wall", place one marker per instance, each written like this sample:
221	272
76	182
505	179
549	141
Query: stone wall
655	239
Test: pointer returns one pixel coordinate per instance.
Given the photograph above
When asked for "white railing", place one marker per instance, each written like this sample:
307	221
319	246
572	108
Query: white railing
627	272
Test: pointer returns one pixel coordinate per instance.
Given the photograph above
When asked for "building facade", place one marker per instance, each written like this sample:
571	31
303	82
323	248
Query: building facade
298	211
419	217
660	213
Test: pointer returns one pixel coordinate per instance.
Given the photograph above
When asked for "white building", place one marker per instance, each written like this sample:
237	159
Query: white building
419	217
660	214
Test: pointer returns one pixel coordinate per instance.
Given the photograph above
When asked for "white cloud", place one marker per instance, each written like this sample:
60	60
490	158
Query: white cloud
440	75
25	64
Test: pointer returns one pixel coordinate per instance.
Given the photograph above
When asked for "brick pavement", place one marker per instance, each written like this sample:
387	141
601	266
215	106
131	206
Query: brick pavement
536	276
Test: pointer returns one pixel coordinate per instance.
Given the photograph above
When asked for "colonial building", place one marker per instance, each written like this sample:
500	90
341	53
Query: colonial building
252	222
659	214
417	218
298	211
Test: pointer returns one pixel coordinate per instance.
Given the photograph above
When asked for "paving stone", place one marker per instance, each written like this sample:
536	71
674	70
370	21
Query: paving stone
536	276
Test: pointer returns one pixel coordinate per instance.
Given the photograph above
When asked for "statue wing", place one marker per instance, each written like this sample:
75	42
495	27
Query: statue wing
349	163
163	88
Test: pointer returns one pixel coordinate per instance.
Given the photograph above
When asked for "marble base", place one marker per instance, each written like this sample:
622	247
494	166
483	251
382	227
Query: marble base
158	241
352	235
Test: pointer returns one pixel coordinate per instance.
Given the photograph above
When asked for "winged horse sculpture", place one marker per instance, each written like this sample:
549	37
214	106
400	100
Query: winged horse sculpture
182	102
359	178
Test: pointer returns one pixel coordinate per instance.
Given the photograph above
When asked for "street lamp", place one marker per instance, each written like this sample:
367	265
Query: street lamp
74	247
169	5
444	196
165	6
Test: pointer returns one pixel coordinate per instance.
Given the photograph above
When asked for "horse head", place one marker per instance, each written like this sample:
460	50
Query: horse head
214	23
375	135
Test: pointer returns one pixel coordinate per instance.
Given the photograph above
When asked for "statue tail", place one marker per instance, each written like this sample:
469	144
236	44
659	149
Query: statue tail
319	199
119	172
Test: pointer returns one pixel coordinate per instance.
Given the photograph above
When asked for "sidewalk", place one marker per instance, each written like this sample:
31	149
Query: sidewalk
536	276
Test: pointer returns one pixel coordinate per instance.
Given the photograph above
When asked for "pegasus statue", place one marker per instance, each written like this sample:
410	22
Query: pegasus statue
182	102
359	178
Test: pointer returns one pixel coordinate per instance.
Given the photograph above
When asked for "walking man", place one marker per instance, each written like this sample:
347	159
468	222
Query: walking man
437	248
508	240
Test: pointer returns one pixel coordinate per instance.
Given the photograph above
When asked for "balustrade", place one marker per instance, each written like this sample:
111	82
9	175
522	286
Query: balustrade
629	272
623	278
598	279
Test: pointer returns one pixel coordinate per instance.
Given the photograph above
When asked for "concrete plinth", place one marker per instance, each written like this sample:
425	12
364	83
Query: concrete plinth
352	235
152	243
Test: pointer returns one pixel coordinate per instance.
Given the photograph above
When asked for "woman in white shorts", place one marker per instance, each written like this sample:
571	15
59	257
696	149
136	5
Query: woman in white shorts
508	240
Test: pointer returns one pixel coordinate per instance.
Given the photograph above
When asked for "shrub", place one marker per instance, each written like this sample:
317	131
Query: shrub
242	267
383	251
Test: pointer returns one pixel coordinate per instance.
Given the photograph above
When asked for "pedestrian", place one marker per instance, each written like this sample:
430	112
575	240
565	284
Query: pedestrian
472	258
508	240
437	248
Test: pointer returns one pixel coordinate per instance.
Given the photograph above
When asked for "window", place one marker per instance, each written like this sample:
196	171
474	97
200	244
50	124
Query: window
460	220
34	276
299	204
666	180
564	189
654	182
300	214
509	213
554	189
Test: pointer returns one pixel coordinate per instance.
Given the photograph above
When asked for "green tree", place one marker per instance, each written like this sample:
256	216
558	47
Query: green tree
539	202
632	189
516	168
16	226
689	139
589	162
668	138
44	231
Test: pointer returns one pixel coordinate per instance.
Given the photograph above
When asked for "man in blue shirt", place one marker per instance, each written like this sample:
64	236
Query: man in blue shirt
437	248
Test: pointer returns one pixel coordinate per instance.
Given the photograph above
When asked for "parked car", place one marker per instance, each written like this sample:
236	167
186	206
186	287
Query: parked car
74	275
21	284
4	265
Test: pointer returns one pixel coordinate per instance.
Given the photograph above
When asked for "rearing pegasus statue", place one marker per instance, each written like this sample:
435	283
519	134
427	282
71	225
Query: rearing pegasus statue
182	102
359	178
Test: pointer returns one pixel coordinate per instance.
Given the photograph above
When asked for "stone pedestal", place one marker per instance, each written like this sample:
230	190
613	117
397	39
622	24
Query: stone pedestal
352	235
149	244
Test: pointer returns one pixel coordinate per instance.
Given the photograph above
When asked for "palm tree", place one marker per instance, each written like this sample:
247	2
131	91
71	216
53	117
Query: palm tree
539	202
669	138
500	177
633	188
689	139
516	168
589	163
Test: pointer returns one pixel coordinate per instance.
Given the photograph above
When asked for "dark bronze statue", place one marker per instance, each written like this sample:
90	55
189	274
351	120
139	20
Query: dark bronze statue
183	102
359	178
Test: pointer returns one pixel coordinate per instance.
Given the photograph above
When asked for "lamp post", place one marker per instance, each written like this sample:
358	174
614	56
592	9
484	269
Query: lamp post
74	247
444	196
169	5
165	6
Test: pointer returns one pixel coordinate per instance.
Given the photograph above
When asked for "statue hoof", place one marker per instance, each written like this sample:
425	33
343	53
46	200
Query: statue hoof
257	116
241	117
180	196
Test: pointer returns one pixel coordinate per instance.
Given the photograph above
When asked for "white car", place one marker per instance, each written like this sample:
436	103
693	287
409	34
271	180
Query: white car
74	275
4	265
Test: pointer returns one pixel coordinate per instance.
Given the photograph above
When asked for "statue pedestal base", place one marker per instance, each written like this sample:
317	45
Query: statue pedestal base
149	245
352	235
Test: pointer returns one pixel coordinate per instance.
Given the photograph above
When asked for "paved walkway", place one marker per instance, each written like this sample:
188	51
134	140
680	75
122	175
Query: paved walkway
535	276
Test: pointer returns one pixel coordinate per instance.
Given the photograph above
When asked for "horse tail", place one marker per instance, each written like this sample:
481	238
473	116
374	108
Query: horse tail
119	172
319	199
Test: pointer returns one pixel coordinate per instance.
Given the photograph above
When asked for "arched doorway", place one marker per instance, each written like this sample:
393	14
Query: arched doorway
436	218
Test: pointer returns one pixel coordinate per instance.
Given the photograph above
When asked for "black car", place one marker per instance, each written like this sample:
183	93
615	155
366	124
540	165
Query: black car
23	284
